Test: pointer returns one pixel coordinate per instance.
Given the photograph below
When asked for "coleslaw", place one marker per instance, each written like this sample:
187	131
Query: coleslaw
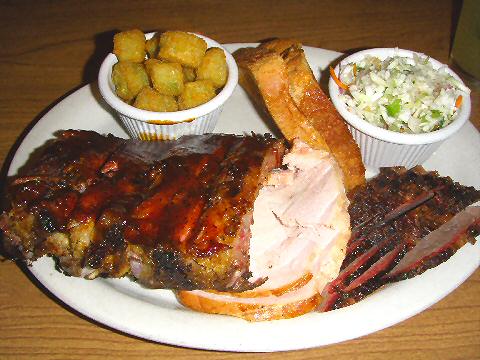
401	94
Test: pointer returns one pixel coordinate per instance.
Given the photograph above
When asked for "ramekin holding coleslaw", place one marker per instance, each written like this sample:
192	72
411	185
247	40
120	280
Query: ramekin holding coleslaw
400	105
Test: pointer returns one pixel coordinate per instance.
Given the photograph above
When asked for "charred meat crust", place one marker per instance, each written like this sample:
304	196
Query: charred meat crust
179	210
392	214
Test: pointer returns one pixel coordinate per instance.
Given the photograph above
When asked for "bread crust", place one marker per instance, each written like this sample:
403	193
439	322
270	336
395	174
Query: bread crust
263	75
277	74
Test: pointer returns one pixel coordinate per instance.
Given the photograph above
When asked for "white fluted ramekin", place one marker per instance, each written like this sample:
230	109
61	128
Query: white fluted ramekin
383	148
152	125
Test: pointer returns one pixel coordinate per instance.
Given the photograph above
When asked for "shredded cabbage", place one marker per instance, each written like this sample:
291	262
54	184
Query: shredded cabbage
401	94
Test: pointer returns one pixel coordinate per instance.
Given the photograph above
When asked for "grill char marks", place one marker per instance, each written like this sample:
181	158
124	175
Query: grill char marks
172	208
439	245
150	200
51	184
233	194
218	224
173	214
46	192
213	235
390	217
71	161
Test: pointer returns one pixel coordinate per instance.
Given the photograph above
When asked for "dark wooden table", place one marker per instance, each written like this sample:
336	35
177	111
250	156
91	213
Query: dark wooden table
49	48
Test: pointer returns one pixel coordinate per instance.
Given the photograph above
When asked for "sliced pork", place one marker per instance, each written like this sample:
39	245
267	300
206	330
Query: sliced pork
299	234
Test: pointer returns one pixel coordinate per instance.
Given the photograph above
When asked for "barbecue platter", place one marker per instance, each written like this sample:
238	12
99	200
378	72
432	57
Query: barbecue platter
193	214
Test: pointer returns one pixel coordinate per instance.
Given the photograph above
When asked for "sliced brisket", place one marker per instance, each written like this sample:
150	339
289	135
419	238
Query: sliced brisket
401	214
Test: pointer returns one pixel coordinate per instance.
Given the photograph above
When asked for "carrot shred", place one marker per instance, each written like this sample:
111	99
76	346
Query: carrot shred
459	100
337	80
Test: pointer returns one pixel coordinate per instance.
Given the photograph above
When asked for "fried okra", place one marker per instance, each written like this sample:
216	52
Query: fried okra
170	71
213	67
129	46
188	74
196	93
182	47
129	78
150	99
151	45
167	78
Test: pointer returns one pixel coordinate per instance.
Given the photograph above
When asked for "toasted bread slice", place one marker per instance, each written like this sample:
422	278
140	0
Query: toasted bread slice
315	105
263	75
280	45
317	115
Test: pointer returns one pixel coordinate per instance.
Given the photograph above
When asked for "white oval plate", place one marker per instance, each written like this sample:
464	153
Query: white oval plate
156	315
